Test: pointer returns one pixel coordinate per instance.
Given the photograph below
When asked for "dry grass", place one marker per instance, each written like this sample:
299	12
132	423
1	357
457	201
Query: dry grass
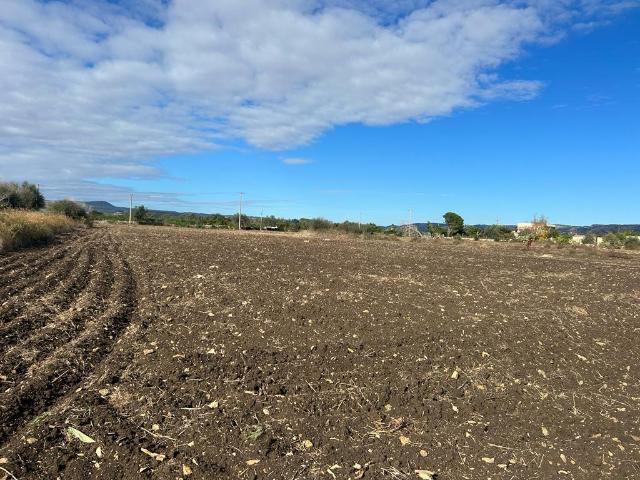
24	228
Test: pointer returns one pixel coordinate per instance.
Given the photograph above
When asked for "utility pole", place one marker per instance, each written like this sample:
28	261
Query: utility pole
410	230
240	213
130	207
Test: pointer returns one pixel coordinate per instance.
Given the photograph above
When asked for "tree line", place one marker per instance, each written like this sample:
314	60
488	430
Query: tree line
27	196
143	216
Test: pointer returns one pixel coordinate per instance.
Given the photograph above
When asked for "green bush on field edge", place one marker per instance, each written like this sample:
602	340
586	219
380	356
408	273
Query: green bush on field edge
632	243
69	208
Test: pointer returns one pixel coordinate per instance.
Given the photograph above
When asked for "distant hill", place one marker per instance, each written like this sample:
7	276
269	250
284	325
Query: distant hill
598	229
106	207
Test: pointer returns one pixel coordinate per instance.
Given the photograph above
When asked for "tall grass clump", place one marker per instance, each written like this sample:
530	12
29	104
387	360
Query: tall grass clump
24	228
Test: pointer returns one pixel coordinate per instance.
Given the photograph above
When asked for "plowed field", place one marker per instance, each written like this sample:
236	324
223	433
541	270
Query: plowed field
135	352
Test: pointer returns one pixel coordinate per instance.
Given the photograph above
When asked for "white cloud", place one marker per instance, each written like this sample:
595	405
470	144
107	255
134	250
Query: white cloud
91	89
295	161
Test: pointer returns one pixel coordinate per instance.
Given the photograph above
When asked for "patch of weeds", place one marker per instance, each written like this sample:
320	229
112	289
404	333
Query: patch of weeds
253	433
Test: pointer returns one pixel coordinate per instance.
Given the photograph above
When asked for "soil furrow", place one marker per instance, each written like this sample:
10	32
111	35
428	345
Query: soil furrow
7	260
70	362
24	272
42	309
64	326
26	267
64	240
11	260
31	291
38	278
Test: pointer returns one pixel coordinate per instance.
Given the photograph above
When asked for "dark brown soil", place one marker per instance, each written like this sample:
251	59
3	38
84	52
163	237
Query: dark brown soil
203	355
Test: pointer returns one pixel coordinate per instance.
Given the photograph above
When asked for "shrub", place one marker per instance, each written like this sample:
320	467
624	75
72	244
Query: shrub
498	233
564	238
473	232
315	224
589	239
69	208
435	230
613	240
632	243
22	228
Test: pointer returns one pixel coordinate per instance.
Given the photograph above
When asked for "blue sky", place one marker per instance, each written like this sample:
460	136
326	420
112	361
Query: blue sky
545	122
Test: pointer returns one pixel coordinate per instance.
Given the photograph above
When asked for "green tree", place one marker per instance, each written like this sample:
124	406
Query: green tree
455	223
140	214
26	195
30	196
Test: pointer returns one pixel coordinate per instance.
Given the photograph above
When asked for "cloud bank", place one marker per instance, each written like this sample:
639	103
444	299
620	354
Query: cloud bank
95	89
